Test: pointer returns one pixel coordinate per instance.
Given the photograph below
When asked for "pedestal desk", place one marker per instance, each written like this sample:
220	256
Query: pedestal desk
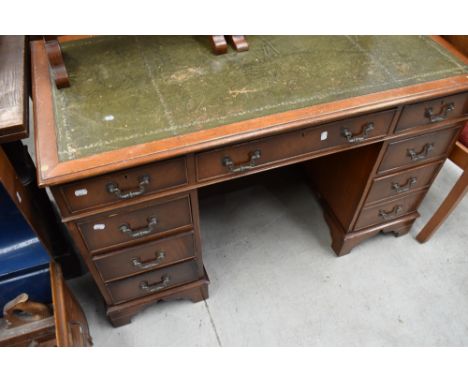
149	120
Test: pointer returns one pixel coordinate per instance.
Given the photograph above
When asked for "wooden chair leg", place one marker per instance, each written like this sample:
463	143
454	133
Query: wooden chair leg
451	201
56	62
218	43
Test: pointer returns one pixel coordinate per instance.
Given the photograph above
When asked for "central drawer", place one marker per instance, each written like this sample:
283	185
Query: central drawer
153	282
262	153
133	224
146	257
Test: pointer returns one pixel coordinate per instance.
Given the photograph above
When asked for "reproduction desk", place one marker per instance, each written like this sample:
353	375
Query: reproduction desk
149	120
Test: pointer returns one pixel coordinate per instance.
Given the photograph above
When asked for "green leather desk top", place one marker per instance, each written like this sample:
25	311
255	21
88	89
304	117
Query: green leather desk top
131	90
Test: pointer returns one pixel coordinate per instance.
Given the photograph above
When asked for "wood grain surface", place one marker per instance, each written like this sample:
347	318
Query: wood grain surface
13	88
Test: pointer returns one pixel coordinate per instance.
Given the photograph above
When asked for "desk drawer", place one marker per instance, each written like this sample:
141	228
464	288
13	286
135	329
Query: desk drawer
242	158
133	224
153	282
146	257
421	148
388	211
433	111
124	185
403	182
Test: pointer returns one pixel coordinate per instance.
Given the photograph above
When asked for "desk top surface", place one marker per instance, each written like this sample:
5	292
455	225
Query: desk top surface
131	90
136	99
13	97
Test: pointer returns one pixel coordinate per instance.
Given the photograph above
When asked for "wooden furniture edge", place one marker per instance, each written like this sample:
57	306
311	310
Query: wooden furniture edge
459	155
23	198
60	314
194	184
52	172
67	38
21	335
13	129
448	46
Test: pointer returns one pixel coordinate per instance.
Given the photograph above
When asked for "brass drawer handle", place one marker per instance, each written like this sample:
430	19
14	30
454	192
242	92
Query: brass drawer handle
445	109
151	288
113	188
152	222
368	127
422	154
405	187
391	214
137	263
254	156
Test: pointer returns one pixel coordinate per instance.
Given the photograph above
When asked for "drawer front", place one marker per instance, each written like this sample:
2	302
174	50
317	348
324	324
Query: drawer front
433	111
422	148
402	183
388	211
146	257
132	224
124	185
153	282
239	159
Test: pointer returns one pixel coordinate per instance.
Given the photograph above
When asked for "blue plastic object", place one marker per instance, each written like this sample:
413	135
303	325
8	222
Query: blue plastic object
24	263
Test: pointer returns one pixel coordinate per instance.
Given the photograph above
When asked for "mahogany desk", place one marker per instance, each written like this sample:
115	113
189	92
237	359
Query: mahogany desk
149	120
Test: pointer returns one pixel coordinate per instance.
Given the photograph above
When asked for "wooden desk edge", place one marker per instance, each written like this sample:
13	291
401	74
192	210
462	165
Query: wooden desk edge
52	172
17	126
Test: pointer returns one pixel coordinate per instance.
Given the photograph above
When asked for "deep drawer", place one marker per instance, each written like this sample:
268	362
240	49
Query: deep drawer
153	282
388	211
239	159
433	111
422	148
136	223
402	183
124	185
146	257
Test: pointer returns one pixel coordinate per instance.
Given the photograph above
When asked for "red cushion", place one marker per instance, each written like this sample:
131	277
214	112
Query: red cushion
463	138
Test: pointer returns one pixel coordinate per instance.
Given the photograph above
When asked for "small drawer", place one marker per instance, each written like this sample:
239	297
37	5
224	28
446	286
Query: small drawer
242	158
146	257
402	183
388	211
153	282
433	111
124	185
422	148
136	223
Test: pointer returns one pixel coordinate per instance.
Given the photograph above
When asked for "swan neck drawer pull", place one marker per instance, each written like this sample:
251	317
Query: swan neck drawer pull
254	156
405	187
137	263
151	288
368	127
136	233
443	114
113	188
422	154
390	214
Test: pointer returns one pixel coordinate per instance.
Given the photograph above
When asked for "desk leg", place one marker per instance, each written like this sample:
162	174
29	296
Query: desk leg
122	314
343	243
